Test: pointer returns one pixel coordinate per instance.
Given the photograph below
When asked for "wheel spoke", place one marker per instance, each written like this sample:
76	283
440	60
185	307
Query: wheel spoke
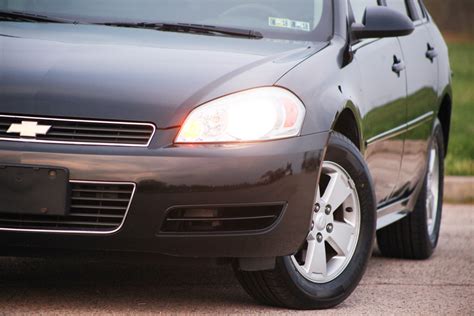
337	191
431	199
432	195
432	161
341	238
318	194
429	209
316	258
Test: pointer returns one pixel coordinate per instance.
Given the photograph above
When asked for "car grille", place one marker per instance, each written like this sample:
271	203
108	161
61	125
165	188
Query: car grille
94	208
221	219
82	132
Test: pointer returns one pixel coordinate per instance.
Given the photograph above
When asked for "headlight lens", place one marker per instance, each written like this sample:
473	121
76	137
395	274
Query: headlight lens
252	115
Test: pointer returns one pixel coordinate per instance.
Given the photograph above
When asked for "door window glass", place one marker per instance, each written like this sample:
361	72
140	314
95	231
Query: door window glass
419	11
399	5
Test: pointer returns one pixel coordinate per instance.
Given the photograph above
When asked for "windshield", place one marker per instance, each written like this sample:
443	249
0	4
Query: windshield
286	19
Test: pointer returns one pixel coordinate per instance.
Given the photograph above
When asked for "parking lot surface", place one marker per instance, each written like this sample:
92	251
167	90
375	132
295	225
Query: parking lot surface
444	284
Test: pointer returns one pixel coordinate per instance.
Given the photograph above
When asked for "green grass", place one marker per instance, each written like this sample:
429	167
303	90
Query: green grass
460	160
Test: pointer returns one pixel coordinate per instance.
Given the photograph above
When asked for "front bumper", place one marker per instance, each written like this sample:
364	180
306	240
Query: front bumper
170	176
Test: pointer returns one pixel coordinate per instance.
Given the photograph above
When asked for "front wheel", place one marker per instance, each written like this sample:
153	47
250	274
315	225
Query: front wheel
332	260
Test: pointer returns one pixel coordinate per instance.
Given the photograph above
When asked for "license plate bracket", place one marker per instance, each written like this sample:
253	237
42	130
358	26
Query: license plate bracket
34	190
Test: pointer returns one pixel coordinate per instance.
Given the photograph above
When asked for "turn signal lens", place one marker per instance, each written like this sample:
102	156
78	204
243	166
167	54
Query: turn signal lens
252	115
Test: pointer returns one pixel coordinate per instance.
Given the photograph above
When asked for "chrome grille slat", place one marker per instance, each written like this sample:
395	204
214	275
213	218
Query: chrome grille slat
96	215
135	131
88	207
102	191
82	132
98	199
104	211
76	135
55	223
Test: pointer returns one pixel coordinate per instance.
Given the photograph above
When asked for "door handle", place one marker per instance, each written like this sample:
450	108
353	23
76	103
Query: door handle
431	53
398	65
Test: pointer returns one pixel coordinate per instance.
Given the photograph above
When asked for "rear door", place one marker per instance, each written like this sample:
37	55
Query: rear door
419	55
384	105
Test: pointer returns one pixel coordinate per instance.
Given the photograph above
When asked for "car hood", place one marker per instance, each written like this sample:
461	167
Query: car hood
100	72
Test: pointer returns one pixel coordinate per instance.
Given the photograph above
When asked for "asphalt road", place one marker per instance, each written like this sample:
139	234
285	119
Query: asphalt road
441	285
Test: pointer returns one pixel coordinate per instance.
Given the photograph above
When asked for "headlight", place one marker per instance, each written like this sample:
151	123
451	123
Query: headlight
252	115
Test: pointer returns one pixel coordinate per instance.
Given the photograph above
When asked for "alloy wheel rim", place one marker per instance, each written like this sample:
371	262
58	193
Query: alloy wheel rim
432	189
335	227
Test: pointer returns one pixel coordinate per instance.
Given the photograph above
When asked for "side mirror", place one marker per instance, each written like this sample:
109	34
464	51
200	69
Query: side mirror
381	22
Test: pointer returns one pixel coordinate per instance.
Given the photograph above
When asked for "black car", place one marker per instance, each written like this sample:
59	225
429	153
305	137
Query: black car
279	136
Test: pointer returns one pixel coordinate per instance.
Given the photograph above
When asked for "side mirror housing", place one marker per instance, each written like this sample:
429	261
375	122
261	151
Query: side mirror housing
379	22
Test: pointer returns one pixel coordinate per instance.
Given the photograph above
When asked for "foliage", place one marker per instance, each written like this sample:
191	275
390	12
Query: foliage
460	159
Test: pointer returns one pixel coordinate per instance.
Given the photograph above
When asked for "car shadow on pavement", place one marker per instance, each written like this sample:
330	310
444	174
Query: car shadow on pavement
81	285
84	285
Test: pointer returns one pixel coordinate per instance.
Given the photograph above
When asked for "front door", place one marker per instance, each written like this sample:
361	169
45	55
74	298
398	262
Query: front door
383	81
419	54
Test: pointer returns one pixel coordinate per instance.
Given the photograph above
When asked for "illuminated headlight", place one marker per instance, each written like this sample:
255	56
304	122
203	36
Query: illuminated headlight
252	115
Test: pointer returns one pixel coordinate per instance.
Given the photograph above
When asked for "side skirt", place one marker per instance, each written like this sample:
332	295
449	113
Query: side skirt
392	212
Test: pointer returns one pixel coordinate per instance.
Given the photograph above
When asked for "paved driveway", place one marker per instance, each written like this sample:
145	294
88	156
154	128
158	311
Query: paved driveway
444	284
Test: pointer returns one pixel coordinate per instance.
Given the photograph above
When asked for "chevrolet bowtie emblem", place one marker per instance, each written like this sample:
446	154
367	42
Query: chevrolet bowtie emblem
28	129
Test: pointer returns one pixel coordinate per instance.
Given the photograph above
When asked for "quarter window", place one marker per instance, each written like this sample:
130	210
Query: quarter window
359	6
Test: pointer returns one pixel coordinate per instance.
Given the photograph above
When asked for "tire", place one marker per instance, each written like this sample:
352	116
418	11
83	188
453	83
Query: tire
289	284
415	237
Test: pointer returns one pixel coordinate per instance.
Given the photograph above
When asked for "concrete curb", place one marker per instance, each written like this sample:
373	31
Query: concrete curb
459	190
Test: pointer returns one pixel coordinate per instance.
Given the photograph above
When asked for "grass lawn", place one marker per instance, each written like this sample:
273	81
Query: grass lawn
460	159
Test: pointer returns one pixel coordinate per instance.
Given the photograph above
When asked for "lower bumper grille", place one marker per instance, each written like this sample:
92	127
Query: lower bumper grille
221	219
95	207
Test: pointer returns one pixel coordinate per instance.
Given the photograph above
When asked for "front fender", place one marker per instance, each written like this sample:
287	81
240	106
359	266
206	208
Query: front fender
327	89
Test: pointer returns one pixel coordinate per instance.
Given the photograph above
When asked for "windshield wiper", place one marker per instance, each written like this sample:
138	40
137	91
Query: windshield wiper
32	17
190	28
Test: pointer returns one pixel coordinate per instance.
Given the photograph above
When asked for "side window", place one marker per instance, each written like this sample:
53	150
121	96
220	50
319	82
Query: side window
420	14
358	8
399	5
